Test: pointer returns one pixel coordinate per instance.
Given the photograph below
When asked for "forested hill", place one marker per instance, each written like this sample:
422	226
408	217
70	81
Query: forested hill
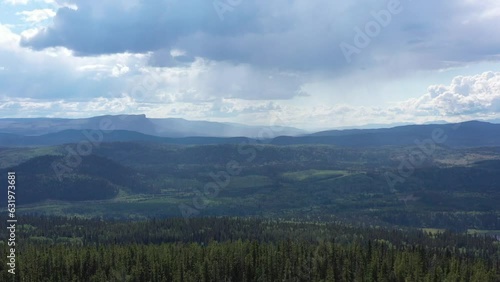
94	178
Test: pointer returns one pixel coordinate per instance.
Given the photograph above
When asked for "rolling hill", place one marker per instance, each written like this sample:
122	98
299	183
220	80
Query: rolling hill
151	179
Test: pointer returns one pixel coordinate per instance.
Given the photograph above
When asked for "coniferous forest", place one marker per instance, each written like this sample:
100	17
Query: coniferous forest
234	249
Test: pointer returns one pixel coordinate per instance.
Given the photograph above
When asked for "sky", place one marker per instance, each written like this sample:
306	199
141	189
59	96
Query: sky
311	64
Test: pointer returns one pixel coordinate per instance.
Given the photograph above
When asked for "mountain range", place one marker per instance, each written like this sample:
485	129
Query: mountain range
163	127
138	128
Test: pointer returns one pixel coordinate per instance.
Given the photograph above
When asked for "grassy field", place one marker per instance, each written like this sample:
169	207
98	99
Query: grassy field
313	174
433	231
484	232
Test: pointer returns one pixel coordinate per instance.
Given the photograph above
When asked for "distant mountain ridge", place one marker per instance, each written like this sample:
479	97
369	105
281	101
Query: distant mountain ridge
42	126
163	127
466	134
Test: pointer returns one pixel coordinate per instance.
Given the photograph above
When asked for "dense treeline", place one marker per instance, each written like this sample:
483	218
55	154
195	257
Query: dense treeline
224	249
247	261
458	221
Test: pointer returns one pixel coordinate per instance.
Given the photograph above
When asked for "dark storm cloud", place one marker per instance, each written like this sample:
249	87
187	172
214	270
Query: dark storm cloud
300	35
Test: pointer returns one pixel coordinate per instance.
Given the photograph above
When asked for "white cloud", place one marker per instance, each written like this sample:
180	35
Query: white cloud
93	68
466	95
55	73
28	33
119	70
71	6
17	2
205	80
466	98
8	39
39	15
177	53
56	108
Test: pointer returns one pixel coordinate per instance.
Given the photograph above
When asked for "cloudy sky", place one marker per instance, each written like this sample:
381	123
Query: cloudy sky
312	64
